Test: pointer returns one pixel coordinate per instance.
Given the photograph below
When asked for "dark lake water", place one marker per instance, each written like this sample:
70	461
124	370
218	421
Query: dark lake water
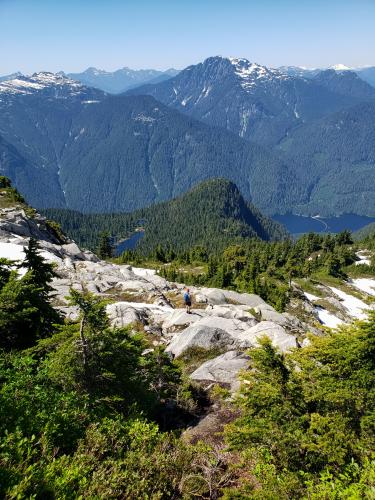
297	224
130	243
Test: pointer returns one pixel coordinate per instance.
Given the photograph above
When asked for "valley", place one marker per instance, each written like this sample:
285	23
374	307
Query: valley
287	141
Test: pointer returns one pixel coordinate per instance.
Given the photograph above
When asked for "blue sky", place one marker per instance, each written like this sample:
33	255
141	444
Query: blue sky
71	35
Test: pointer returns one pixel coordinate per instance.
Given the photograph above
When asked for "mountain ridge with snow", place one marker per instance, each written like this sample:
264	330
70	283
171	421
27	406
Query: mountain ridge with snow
255	102
41	82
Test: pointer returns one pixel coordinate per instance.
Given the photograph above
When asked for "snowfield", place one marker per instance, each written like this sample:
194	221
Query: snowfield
355	307
38	82
11	251
311	297
327	318
139	271
364	259
366	285
251	74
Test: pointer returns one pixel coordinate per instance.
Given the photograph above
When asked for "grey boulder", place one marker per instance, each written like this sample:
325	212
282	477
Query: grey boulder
180	319
230	311
122	314
223	368
202	336
276	333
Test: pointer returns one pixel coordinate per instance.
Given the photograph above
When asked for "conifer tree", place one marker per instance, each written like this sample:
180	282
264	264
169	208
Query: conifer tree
26	313
105	248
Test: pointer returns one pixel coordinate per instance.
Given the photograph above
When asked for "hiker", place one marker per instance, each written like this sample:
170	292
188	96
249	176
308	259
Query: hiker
187	300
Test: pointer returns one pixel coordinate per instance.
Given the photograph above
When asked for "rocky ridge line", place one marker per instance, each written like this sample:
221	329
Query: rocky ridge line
222	320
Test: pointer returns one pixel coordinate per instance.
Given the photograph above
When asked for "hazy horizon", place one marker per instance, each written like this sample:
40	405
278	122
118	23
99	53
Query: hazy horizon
83	69
54	35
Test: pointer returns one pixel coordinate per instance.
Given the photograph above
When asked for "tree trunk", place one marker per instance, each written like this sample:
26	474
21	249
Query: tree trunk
83	341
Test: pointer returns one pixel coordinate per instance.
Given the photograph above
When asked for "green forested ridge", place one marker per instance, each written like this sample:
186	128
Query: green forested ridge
213	214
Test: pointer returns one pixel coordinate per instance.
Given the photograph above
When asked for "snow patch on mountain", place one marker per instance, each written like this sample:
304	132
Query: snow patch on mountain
11	251
327	318
143	118
364	259
340	67
366	285
39	82
355	307
251	74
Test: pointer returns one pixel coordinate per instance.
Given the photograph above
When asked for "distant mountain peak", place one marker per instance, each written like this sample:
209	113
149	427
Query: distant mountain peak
12	76
248	74
49	78
340	67
95	71
41	81
346	83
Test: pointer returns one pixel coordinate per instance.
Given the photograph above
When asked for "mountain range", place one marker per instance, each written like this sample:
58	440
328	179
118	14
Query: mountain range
12	76
125	78
122	79
290	143
113	82
319	127
366	73
131	151
255	102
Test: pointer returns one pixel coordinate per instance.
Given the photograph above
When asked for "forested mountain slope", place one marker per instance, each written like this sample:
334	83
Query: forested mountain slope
85	150
130	151
35	119
133	151
213	214
346	83
335	157
25	172
366	232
